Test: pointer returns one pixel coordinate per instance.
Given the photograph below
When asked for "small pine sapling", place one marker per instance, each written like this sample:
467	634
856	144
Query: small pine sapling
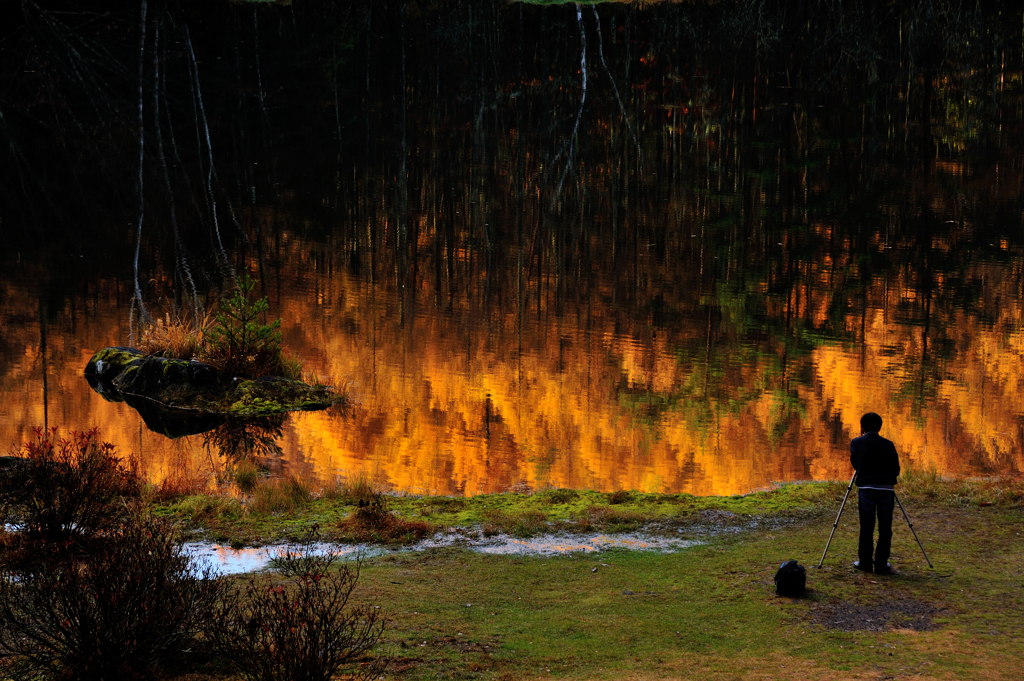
238	342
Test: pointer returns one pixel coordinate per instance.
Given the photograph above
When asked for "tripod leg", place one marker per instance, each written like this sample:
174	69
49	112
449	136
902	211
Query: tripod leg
843	505
907	518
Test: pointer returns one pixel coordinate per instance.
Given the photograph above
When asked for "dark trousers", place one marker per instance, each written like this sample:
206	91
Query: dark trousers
871	503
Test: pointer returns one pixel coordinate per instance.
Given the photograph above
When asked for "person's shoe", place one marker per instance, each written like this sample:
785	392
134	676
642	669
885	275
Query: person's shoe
865	567
887	570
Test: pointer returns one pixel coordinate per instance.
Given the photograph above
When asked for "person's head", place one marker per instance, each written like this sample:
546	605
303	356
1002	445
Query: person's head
870	422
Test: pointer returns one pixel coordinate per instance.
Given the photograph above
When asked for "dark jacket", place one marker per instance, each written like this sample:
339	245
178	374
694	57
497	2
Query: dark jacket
875	460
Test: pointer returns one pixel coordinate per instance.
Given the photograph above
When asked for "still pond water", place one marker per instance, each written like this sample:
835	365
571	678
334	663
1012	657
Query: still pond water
665	248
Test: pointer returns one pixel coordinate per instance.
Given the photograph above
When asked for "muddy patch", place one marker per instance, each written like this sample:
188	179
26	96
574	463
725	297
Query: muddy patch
894	613
562	544
465	646
717	517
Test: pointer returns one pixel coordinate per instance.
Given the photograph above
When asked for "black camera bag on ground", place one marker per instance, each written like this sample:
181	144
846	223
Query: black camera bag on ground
790	579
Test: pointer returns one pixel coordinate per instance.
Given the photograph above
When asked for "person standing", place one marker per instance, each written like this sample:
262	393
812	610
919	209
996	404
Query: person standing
877	465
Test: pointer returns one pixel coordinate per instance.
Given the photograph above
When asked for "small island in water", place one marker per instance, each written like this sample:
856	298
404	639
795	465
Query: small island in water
181	397
246	375
120	372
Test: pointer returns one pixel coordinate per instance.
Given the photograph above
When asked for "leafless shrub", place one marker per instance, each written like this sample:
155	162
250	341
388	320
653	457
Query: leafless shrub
133	605
300	628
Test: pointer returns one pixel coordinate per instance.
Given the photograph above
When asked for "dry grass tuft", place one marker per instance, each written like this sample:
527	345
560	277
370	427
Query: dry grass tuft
291	367
431	505
1003	491
231	339
279	496
247	474
178	486
175	336
605	518
359	490
559	496
522	524
621	496
203	507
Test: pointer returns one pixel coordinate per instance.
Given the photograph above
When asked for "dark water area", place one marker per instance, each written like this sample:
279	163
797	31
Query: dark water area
676	247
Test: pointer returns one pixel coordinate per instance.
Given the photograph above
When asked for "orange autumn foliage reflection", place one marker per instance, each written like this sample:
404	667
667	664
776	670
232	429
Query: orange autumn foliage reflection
441	406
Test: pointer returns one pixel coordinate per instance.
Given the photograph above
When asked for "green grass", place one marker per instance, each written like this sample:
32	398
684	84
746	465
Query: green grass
710	611
706	612
198	509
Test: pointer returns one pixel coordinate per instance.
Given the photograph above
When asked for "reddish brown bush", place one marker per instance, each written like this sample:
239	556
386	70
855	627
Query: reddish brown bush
607	519
68	489
373	521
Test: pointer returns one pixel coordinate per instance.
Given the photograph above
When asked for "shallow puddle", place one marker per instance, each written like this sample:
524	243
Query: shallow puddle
225	560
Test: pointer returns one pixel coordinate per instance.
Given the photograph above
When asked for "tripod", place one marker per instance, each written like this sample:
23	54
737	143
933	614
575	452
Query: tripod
843	505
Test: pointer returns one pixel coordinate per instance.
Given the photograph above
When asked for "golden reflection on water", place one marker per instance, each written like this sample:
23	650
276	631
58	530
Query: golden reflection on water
429	419
441	408
433	417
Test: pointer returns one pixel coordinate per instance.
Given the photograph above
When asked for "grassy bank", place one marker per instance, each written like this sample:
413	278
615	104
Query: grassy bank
278	510
710	611
706	612
274	510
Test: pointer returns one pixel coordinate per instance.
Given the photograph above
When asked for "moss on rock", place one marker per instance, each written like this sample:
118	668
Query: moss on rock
121	374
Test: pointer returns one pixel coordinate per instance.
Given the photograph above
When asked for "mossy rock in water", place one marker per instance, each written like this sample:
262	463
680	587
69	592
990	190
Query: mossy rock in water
125	374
